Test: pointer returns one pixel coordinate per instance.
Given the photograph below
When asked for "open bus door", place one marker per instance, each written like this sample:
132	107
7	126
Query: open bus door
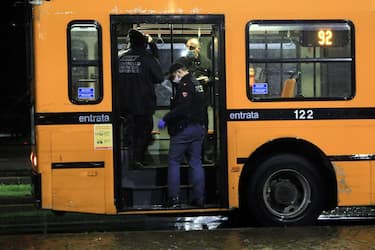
145	187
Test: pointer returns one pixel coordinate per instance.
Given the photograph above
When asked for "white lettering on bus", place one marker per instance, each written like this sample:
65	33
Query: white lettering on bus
93	118
244	115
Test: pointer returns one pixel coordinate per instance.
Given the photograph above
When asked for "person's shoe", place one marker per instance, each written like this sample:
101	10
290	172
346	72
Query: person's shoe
173	202
197	203
207	161
139	165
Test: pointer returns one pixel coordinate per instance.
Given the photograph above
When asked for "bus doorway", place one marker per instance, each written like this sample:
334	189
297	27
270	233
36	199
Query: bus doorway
143	185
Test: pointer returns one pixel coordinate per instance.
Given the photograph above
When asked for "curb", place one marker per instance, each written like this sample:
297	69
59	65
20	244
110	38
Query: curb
12	173
15	177
29	199
15	180
10	209
17	204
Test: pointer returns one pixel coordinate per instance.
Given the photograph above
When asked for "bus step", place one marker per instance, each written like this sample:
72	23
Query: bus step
183	206
150	177
151	195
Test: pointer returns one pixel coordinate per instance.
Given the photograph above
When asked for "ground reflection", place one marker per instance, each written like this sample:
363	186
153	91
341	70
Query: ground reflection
199	222
219	231
318	237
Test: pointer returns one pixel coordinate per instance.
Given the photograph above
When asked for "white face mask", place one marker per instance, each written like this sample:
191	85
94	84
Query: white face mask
177	79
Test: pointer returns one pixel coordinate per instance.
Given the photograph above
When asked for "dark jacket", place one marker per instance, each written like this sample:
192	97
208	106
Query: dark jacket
187	105
139	70
200	66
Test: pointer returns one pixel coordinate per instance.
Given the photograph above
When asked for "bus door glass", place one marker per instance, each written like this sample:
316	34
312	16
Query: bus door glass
142	174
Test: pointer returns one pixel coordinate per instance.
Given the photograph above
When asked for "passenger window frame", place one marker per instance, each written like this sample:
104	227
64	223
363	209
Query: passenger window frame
350	59
98	62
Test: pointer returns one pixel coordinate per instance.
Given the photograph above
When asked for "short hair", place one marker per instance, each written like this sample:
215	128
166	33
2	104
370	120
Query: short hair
195	41
176	66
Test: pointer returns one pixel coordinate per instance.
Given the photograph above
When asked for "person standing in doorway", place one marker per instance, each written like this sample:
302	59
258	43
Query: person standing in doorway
139	70
201	68
186	128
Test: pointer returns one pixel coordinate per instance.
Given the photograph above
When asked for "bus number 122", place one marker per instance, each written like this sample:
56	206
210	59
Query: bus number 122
302	114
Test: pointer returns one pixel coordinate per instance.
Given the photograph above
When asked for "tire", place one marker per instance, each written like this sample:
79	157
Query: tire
284	190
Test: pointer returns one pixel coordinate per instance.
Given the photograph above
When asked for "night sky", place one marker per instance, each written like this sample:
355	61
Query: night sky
15	99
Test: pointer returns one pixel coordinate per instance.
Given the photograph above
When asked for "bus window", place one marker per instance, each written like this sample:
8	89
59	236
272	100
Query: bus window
85	62
317	56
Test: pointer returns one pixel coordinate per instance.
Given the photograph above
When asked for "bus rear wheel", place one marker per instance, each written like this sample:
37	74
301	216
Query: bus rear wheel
284	190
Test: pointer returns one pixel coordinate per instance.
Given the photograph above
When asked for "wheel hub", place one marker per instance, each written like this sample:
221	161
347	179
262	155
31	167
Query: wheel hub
284	192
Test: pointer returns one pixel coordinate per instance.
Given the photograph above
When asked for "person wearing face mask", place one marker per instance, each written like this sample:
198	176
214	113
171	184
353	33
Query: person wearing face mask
185	123
139	69
200	67
197	63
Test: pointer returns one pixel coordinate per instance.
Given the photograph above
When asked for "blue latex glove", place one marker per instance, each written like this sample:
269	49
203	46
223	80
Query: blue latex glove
161	124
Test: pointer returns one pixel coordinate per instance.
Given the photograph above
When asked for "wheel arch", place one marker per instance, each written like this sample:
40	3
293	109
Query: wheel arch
299	147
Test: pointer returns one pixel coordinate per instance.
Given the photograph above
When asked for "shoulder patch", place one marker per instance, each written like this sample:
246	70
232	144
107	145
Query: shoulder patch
199	88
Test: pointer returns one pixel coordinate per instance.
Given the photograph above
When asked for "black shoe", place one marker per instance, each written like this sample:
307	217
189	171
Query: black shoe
197	203
138	165
173	202
207	161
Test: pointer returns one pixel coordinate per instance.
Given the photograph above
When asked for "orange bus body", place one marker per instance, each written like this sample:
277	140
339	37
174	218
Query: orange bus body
92	190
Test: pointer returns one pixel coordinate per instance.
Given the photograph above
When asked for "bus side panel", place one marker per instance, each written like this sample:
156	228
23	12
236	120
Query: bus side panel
352	187
353	177
43	144
233	167
78	190
78	184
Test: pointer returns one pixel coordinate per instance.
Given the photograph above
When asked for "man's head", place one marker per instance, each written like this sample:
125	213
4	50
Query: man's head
137	39
177	71
193	46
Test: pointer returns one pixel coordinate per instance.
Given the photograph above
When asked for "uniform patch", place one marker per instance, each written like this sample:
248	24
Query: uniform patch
129	64
184	94
199	88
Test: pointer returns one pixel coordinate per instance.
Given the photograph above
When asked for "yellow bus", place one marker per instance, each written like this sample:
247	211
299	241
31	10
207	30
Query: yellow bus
291	114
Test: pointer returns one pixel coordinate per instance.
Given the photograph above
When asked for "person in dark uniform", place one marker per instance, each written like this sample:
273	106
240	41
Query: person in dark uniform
139	70
201	68
197	64
186	128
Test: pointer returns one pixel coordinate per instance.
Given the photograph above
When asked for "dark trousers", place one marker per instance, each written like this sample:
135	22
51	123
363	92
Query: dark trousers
187	142
205	145
137	135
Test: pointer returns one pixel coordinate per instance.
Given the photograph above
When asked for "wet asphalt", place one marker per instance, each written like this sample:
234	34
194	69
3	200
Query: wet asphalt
22	226
318	237
38	229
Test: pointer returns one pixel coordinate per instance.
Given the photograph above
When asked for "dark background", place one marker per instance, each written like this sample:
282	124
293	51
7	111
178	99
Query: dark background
16	72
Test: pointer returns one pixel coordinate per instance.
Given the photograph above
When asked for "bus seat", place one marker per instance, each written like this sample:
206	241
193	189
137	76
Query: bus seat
289	88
